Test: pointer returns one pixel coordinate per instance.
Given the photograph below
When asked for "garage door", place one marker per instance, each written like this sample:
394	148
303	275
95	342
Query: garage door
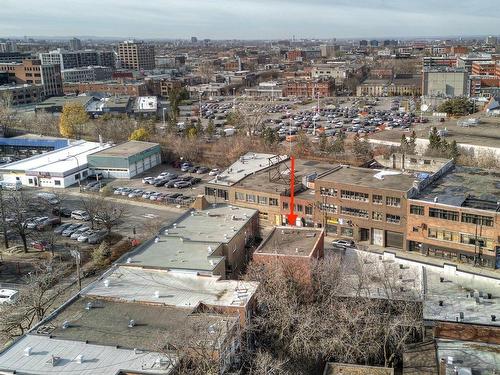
378	237
394	239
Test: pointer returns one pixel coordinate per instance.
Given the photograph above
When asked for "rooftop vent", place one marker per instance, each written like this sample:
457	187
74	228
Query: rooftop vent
88	306
54	360
157	239
209	249
79	358
131	323
211	329
27	351
174	225
65	324
157	294
106	283
436	199
166	232
440	303
493	318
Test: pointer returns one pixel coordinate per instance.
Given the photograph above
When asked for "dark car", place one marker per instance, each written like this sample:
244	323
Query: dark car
195	181
161	182
202	170
61	211
61	228
171	183
50	222
97	237
174	196
182	184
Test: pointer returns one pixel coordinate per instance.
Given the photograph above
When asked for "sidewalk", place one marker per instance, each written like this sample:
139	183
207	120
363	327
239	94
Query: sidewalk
417	257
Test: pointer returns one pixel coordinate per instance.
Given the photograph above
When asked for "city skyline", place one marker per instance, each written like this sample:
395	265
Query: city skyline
243	19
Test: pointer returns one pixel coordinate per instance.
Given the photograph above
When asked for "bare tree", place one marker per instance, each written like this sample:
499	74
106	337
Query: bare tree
110	213
18	205
356	312
91	204
34	300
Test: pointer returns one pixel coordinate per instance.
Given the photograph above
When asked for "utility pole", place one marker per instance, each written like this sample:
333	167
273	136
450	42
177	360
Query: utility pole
4	226
76	254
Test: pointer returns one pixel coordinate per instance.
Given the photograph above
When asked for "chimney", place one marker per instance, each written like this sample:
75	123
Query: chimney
200	203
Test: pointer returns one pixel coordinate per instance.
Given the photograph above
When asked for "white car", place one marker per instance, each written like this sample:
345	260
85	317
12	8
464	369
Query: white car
343	243
80	215
214	172
8	296
84	237
136	193
147	180
77	233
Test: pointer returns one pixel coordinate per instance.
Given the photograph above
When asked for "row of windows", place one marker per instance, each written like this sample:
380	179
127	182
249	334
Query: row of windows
252	198
453	215
354	212
353	195
299	208
463	238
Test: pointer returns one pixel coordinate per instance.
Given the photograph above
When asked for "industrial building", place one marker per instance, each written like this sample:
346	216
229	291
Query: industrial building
445	82
126	160
60	168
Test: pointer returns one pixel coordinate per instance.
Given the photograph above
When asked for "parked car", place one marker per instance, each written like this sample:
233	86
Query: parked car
195	181
61	228
77	233
182	184
171	183
161	182
97	237
343	243
49	222
33	222
186	167
147	180
84	237
80	215
69	230
214	172
61	211
136	193
202	170
8	296
41	245
175	195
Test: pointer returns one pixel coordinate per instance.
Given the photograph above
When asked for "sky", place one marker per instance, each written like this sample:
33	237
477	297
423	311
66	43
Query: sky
249	19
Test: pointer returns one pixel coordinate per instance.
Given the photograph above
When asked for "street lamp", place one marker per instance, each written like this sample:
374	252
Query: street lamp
163	113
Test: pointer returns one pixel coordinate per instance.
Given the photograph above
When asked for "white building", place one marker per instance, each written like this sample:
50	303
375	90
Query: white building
58	169
87	74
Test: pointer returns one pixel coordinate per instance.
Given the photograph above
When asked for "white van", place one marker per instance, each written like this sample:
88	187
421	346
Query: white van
8	296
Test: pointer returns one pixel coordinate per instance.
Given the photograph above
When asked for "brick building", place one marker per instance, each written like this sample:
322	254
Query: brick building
458	218
293	248
136	55
107	87
309	88
33	72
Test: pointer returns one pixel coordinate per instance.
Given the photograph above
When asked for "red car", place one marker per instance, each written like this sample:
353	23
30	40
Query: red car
41	245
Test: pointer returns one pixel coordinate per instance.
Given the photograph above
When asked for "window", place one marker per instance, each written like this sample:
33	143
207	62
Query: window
331	208
354	212
471	239
240	196
353	195
309	210
285	205
393	201
377	199
263	215
30	180
57	182
299	208
273	202
377	216
251	198
477	219
432	233
77	176
326	191
443	214
209	191
393	219
416	210
346	232
415	229
262	200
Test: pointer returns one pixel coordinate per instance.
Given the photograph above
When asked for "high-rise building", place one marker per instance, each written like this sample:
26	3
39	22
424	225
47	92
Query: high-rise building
373	43
194	39
136	55
8	46
328	50
33	72
77	59
492	40
75	44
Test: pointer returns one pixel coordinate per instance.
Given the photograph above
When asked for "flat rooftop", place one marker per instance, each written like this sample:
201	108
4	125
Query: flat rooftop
219	223
58	101
464	293
246	165
271	182
59	160
462	182
107	323
290	241
388	180
469	357
126	149
97	359
179	289
173	252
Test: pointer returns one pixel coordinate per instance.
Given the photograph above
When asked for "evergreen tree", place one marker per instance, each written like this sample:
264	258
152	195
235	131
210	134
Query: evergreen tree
454	152
323	142
210	130
269	136
404	145
434	139
412	143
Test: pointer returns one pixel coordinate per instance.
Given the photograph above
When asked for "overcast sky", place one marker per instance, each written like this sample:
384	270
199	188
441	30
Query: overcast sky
249	19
